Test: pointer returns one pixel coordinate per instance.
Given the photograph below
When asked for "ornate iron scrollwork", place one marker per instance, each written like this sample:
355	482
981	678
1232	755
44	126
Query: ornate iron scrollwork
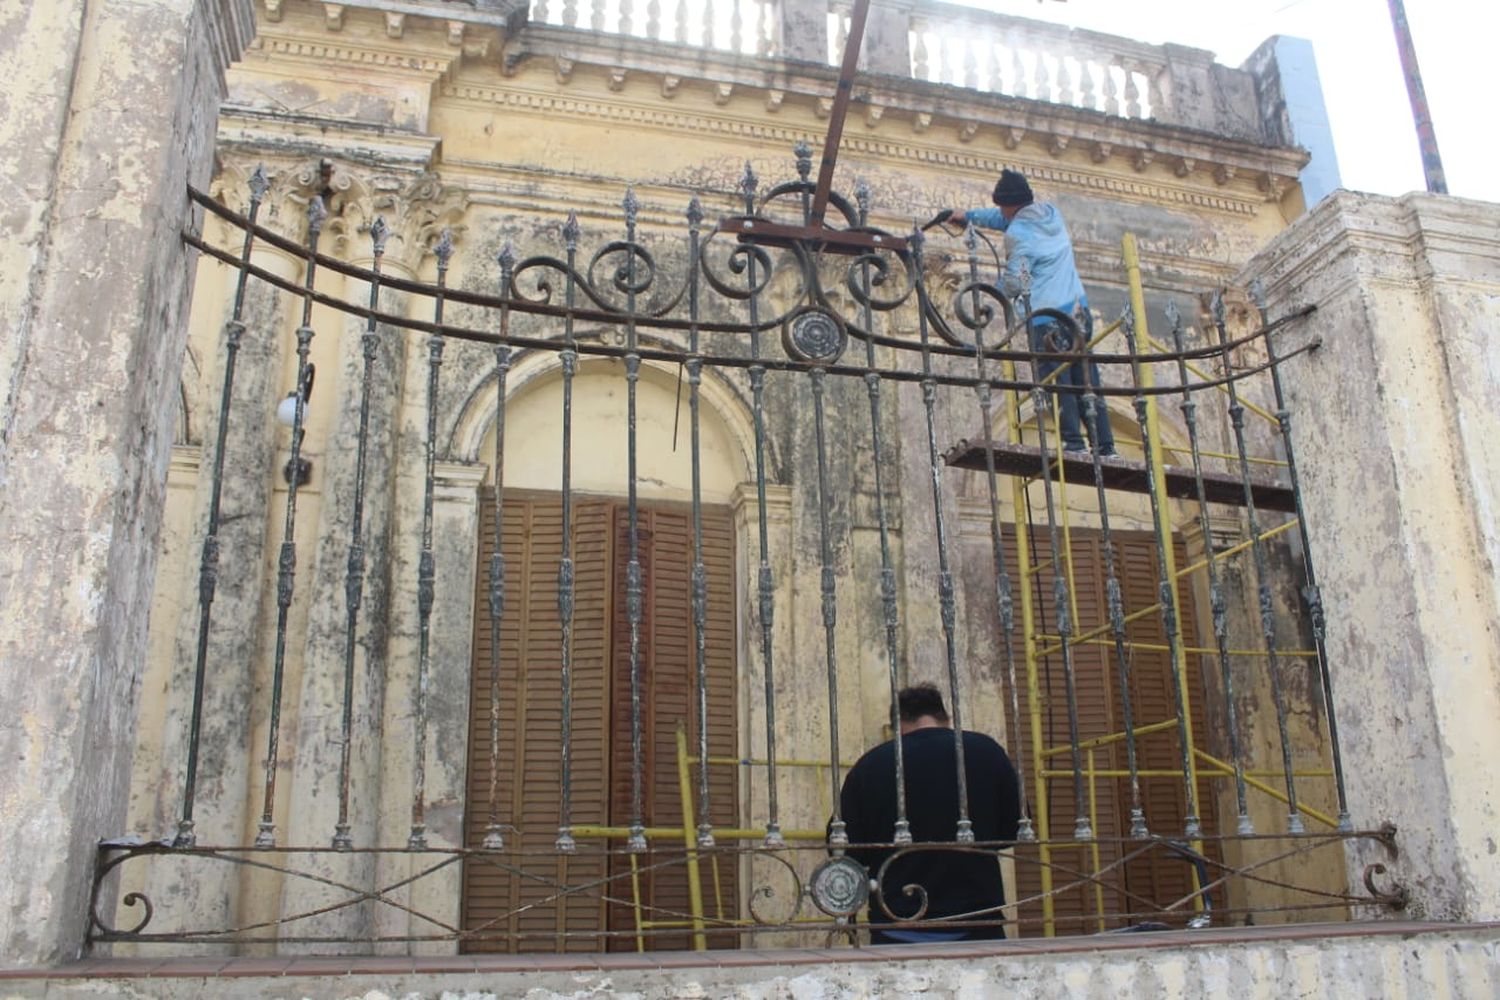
814	335
840	887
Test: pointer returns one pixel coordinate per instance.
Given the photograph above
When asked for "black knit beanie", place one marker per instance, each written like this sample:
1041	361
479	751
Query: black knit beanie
1012	190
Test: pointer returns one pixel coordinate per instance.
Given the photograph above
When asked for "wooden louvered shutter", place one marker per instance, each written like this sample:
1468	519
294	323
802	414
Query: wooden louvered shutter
1161	876
668	682
1075	908
1158	876
530	741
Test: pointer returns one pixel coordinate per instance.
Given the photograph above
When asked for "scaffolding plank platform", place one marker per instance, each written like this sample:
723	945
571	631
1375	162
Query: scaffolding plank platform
1127	475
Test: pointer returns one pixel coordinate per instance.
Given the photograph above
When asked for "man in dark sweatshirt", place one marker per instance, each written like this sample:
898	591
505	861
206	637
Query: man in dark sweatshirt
956	882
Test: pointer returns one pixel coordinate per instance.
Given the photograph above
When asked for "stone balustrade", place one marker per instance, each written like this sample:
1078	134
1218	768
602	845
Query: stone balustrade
950	44
747	27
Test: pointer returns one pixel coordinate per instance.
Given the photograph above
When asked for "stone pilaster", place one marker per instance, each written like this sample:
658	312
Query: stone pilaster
1394	422
110	114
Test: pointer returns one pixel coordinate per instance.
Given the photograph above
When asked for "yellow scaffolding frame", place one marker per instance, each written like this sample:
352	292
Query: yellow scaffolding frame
1036	645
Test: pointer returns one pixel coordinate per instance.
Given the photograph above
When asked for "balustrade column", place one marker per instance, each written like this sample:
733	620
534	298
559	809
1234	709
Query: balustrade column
802	30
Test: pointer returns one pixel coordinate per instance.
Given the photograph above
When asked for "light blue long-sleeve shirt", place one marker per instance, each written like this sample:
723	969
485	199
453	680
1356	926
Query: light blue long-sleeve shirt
1038	236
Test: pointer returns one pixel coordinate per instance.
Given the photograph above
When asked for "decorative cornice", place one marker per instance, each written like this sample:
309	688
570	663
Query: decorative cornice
969	157
253	131
344	51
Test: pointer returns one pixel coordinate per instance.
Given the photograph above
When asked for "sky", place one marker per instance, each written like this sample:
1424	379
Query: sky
1360	71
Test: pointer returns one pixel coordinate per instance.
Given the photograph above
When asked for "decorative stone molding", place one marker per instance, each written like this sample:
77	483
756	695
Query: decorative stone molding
722	93
873	114
458	482
1100	151
967	131
1012	137
921	122
617	81
774	99
670	85
333	16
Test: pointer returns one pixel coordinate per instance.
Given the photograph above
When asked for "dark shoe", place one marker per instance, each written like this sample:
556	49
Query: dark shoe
1109	453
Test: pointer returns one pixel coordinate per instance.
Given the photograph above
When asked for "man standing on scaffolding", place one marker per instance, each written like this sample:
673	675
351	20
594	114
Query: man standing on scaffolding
1036	237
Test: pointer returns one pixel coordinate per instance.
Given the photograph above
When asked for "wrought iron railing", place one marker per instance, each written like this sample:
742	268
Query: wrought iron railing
789	308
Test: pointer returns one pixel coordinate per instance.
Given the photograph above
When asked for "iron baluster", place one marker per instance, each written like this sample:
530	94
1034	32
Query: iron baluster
208	568
1082	829
836	835
355	581
1245	826
694	368
1191	826
1310	592
494	839
637	838
1004	601
286	560
1116	607
568	357
764	587
902	833
1263	589
947	610
426	566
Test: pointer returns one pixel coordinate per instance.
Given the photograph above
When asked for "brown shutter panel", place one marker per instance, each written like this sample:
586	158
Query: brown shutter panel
530	720
1158	876
668	673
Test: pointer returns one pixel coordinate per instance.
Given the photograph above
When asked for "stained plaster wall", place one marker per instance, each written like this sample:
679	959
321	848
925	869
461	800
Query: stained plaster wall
1396	407
92	204
501	149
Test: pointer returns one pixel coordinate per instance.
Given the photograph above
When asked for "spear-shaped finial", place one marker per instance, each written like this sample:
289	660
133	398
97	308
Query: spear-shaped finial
259	182
695	213
317	212
507	260
570	231
443	248
379	233
971	238
632	206
862	199
1217	305
1174	315
803	152
1258	294
748	184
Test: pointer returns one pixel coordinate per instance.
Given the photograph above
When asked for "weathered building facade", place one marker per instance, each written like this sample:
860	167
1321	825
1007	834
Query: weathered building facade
496	134
493	125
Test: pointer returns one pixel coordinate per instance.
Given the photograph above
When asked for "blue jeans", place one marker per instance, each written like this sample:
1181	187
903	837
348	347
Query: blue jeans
1070	404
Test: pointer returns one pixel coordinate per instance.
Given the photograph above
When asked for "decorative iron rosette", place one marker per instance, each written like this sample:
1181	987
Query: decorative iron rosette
840	887
814	335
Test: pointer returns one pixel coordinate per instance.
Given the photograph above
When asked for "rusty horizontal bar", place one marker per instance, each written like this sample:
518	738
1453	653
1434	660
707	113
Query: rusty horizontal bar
779	234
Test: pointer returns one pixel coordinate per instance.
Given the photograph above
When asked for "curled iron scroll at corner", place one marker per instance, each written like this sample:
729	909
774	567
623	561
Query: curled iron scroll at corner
766	891
130	899
1397	897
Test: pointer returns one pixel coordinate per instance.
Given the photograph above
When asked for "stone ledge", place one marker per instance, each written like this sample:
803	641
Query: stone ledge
1218	939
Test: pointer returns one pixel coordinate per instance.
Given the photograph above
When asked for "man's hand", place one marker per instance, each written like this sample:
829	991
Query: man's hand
957	218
